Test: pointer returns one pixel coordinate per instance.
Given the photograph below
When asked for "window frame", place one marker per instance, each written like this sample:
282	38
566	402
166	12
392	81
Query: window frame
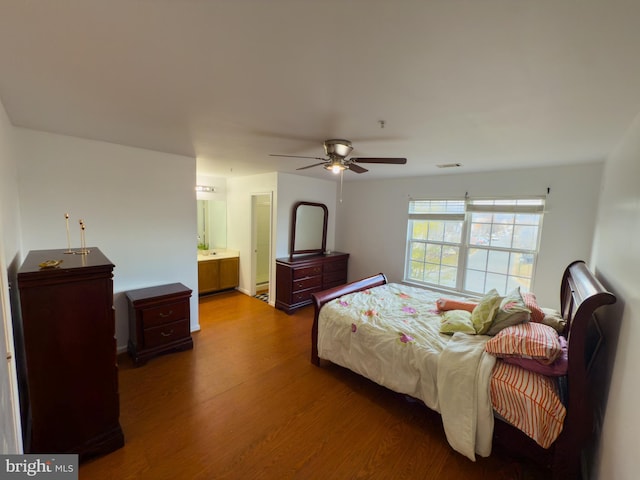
529	204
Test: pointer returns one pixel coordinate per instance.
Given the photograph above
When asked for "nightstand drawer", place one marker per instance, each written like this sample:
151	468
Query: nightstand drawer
307	283
163	314
166	334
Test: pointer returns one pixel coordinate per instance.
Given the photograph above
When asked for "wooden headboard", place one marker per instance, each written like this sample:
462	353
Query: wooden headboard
581	294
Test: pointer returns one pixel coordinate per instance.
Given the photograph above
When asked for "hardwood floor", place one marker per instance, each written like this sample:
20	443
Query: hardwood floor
246	403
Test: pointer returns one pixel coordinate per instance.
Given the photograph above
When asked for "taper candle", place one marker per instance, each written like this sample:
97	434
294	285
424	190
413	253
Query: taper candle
66	216
83	249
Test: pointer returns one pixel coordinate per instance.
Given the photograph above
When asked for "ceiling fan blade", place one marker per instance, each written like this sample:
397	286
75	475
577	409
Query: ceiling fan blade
309	166
297	156
357	168
393	161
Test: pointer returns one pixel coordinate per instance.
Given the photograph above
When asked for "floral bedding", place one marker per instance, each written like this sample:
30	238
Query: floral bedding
391	335
364	330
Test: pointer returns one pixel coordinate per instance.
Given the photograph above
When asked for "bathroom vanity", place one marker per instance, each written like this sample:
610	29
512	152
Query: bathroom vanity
218	270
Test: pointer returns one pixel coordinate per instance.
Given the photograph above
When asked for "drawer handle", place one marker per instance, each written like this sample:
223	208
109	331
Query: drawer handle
165	315
167	334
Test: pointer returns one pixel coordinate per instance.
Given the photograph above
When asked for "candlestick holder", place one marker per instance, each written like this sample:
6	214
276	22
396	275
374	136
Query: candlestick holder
83	246
69	251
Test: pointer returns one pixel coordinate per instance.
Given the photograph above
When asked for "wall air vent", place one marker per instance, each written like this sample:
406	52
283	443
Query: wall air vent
449	165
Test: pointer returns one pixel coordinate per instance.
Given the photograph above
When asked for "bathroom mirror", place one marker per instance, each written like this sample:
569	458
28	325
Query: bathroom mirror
212	224
308	228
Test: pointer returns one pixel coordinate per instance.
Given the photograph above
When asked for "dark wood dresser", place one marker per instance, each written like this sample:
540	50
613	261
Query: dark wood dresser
298	277
159	321
67	335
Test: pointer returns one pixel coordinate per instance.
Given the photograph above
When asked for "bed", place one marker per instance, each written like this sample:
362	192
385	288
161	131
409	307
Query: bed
392	334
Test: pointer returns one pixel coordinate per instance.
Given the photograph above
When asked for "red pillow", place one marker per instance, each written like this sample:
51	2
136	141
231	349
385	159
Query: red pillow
445	304
537	315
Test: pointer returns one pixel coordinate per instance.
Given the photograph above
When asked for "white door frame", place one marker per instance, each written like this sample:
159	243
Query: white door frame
11	431
254	241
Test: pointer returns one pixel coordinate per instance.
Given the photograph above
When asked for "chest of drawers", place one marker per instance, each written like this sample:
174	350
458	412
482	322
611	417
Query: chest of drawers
66	354
159	321
297	278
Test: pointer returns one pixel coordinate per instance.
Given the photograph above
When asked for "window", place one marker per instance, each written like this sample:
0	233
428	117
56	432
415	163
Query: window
473	245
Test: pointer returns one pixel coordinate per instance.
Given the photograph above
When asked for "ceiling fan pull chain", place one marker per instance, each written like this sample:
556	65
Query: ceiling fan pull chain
341	176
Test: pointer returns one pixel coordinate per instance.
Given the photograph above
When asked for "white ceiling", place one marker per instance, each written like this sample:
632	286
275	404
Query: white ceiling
491	84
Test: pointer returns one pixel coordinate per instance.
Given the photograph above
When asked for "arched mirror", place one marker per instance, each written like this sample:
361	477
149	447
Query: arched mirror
308	228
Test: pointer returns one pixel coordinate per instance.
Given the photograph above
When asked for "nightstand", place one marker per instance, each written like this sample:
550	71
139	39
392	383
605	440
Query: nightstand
159	321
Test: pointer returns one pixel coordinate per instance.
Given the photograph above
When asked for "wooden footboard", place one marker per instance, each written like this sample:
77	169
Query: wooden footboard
320	298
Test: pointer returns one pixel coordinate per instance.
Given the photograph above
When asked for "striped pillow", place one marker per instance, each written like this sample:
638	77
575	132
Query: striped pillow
528	401
556	369
528	340
530	300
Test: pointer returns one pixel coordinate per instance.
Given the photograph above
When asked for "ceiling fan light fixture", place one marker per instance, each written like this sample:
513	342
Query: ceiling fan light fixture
335	167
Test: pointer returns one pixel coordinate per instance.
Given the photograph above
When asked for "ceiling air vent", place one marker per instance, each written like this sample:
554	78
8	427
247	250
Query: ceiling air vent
449	165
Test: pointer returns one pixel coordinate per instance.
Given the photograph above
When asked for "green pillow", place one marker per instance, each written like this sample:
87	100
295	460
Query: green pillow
457	321
512	311
483	315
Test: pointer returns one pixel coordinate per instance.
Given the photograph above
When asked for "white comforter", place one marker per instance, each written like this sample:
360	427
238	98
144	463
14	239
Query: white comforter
390	334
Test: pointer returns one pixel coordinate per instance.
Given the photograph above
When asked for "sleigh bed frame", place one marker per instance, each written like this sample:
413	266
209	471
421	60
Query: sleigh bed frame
581	294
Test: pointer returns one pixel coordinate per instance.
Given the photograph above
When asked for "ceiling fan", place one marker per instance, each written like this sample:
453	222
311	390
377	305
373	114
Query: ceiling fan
337	161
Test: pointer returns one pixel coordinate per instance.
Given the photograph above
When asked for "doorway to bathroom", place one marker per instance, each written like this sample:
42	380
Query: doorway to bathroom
261	243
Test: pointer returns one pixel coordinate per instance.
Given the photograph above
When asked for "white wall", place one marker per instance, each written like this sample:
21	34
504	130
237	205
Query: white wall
218	183
294	188
372	218
617	262
239	223
9	205
139	208
10	258
286	189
